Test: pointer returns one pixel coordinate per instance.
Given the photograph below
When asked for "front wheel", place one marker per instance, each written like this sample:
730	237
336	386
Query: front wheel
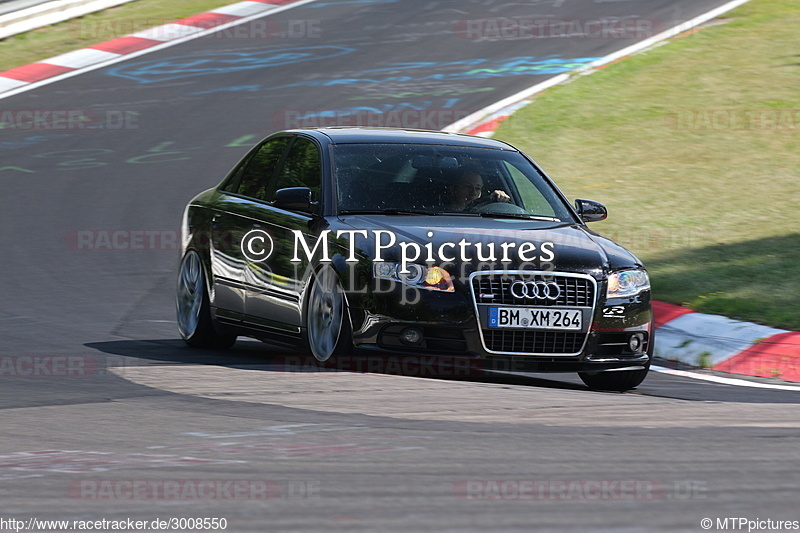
327	323
194	308
619	381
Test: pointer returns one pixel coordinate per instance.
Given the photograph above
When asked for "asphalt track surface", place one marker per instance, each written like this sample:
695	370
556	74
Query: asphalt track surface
97	390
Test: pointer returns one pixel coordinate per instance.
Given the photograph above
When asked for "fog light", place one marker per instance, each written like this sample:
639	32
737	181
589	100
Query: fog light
635	342
411	336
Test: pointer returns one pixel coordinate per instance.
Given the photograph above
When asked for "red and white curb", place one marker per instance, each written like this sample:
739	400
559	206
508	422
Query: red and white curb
26	77
726	345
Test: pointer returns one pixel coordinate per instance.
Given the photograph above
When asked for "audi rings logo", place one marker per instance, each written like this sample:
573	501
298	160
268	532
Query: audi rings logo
257	245
539	290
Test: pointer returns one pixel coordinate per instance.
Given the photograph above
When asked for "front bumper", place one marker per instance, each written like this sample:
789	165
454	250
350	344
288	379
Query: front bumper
452	325
446	344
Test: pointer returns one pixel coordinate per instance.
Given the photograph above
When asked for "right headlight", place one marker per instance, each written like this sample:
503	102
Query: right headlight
627	283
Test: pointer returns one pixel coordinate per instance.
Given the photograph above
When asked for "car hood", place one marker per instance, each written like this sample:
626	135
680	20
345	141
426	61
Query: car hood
565	247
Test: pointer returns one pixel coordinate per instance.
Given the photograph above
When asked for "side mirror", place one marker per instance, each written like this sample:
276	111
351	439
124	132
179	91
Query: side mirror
294	199
590	211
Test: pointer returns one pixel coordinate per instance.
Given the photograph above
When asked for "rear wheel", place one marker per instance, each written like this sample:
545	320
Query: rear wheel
620	381
327	323
194	308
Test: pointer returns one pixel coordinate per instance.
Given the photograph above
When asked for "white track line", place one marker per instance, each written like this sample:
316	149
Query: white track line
155	48
722	380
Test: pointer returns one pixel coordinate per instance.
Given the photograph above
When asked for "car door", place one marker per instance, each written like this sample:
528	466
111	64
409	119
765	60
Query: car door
275	285
236	213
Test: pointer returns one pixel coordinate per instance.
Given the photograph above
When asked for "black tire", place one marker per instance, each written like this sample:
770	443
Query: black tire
619	381
194	308
328	332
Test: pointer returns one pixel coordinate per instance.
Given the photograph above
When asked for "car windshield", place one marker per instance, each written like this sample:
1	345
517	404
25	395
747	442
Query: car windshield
408	179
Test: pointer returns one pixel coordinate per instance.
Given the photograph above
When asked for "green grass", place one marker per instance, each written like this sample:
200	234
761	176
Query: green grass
710	208
94	28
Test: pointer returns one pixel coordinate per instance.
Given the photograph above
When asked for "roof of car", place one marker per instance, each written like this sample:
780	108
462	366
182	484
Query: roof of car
355	135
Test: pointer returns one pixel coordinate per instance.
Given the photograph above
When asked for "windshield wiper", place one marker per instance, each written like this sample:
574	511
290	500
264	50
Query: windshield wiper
386	212
460	214
521	216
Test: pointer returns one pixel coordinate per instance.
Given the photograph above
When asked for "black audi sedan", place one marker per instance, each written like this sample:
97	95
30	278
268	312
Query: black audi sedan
383	241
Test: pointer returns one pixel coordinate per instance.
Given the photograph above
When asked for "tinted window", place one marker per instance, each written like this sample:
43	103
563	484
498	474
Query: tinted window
533	197
302	168
259	170
433	178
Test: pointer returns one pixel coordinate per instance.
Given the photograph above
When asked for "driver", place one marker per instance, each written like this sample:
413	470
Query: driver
467	190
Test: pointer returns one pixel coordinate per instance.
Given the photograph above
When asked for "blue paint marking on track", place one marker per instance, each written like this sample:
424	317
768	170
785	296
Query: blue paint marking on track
202	65
476	69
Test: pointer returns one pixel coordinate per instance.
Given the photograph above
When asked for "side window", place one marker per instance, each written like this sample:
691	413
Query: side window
302	168
232	183
535	202
258	172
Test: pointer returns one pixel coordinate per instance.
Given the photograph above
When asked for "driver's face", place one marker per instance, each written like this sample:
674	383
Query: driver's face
469	188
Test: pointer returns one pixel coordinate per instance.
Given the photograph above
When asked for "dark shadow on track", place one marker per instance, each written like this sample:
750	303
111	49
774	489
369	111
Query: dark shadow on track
259	356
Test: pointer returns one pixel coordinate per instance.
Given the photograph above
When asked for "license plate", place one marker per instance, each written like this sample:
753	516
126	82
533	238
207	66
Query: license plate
536	318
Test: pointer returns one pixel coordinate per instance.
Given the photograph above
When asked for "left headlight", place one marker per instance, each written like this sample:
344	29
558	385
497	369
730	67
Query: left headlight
433	278
627	283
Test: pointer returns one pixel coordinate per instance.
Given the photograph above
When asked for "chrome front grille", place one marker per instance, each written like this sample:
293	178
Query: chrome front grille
574	292
491	289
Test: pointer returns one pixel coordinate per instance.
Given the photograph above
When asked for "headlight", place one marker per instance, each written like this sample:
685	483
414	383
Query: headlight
433	278
627	283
